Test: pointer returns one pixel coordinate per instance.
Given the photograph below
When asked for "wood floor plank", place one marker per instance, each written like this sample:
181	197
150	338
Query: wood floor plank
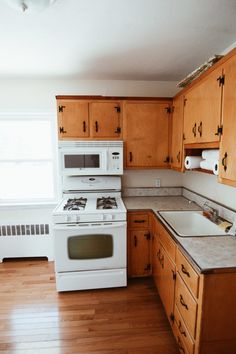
35	319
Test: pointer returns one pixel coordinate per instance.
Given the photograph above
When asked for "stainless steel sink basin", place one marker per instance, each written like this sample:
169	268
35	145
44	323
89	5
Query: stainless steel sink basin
191	223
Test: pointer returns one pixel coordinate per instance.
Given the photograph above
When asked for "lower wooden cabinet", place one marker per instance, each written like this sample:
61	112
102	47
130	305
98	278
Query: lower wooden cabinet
139	244
201	308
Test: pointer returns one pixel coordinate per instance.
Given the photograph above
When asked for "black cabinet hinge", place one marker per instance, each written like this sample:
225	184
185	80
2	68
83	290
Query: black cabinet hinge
173	275
219	130
172	317
148	236
167	160
117	108
60	108
148	267
118	130
169	110
221	80
185	100
61	130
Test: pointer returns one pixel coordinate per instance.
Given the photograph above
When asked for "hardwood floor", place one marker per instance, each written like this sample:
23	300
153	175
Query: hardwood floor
34	318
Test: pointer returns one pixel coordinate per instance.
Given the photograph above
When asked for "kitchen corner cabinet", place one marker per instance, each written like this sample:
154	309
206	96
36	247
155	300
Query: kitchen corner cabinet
89	119
146	133
202	110
139	244
227	172
177	133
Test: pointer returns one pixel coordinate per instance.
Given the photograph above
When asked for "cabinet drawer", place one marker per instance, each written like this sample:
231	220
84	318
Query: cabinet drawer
183	332
186	305
138	220
187	273
182	347
167	242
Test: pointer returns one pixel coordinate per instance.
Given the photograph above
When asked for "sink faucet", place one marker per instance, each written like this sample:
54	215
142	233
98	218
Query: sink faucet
213	213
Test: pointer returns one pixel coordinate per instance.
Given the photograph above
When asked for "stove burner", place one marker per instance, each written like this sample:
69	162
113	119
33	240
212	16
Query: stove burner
106	203
75	204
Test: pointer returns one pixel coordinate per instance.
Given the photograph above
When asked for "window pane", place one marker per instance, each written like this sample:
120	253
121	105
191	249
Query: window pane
24	139
26	181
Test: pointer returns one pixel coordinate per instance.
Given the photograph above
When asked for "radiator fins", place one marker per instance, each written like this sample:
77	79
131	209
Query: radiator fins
24	230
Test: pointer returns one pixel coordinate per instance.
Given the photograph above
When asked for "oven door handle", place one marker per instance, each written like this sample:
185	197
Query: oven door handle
90	226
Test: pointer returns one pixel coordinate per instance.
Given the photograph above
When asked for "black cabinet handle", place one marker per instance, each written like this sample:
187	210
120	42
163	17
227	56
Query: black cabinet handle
181	330
96	126
130	157
183	269
194	130
139	221
135	241
224	161
200	129
178	156
181	299
84	126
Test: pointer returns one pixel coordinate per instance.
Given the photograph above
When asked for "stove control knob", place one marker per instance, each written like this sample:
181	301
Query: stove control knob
77	218
108	217
68	219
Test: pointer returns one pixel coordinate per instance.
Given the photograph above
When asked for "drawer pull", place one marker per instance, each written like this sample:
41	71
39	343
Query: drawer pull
184	270
181	299
180	346
135	241
180	329
139	221
96	126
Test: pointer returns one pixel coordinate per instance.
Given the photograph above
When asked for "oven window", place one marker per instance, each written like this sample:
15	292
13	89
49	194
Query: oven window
90	247
82	161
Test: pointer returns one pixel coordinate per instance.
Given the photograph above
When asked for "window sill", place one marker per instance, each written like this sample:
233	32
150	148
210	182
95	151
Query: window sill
33	205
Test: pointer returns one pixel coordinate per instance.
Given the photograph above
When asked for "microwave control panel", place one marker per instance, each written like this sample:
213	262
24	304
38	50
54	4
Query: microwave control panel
115	160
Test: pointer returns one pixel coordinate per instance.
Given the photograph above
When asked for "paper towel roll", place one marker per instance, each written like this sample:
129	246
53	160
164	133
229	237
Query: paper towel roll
192	162
216	168
212	154
211	165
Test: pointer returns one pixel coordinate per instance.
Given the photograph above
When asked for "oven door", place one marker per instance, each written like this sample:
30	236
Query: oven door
87	161
90	246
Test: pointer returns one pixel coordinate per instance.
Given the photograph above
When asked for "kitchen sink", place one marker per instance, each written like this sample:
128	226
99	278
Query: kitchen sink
191	223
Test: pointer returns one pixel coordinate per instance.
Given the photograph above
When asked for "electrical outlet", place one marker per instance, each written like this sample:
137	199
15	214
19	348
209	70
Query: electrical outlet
158	182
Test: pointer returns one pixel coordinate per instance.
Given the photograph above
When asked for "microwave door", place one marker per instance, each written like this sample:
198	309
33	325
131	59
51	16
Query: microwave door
83	163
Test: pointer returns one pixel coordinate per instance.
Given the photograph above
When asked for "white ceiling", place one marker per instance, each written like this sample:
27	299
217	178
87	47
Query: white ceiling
115	39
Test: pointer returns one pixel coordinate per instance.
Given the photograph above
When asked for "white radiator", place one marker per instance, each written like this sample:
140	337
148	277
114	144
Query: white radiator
26	240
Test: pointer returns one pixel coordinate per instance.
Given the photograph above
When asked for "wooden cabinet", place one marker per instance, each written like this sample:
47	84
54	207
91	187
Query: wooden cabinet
139	244
105	119
177	133
73	119
163	267
146	133
202	110
89	119
227	172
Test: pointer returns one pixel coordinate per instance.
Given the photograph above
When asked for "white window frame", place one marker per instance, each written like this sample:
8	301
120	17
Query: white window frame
31	116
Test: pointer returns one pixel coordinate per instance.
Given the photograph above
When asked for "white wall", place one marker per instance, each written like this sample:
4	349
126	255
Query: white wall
146	178
208	186
40	94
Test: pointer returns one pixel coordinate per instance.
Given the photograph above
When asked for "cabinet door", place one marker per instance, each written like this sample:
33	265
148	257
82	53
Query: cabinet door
146	134
105	118
73	119
139	253
156	256
167	283
177	133
202	110
227	172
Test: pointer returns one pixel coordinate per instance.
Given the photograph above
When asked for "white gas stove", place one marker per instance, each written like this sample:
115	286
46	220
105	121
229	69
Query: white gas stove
90	234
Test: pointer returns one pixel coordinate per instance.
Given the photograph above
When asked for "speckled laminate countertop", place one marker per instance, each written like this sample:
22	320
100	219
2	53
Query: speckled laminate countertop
206	253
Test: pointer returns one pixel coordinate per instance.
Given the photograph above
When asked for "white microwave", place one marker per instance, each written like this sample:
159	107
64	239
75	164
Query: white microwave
82	158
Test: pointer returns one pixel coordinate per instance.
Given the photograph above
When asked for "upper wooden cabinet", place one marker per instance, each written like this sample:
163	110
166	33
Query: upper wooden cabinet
146	133
105	119
202	110
89	119
227	172
177	133
73	119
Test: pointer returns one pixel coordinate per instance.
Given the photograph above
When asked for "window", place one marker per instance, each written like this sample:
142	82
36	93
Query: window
27	168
